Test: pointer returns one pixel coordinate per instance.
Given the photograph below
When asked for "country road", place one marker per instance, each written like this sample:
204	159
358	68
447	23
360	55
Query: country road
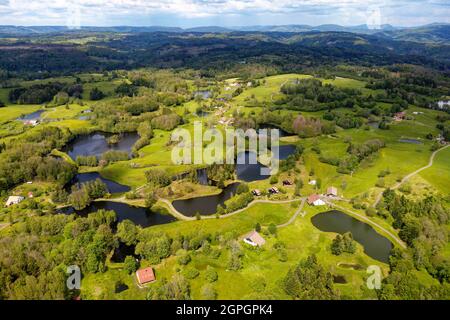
406	178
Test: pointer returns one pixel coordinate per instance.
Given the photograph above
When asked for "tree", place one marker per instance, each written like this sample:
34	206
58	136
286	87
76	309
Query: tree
211	274
272	229
257	227
2	104
309	280
127	232
96	94
130	264
177	288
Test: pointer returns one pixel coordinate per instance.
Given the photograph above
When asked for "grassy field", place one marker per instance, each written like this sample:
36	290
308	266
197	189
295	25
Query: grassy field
439	174
15	111
300	238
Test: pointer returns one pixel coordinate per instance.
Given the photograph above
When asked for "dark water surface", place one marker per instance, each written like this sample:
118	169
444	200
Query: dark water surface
375	245
139	215
32	116
249	170
113	187
95	144
206	205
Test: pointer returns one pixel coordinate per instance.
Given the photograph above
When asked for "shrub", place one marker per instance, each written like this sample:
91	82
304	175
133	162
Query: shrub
130	264
211	274
191	273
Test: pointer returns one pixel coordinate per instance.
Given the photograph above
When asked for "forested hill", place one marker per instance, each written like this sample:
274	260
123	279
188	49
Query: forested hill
63	53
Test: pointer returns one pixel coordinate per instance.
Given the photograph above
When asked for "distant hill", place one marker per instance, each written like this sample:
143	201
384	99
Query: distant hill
432	33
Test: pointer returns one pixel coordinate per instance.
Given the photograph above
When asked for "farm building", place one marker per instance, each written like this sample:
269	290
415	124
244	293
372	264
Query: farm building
254	239
312	182
274	190
145	275
256	192
314	200
14	200
332	191
399	116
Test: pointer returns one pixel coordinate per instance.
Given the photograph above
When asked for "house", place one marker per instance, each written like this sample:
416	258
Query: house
14	200
332	191
145	276
312	182
254	239
287	183
399	116
256	192
31	123
30	194
314	200
273	190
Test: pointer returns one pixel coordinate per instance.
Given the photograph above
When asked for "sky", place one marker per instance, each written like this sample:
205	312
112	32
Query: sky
226	13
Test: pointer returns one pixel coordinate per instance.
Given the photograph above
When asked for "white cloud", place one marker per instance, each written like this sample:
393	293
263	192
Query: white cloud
95	12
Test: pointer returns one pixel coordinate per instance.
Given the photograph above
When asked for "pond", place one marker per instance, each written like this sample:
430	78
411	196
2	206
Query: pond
139	215
282	133
95	144
202	177
122	251
285	151
247	171
206	205
339	279
31	116
413	141
113	187
375	245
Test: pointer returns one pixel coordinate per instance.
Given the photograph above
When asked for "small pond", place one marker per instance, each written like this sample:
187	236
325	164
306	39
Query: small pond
31	116
139	215
113	187
339	279
375	245
122	251
206	205
413	141
95	144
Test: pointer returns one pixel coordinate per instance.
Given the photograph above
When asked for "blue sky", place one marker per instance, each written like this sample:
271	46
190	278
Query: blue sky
191	13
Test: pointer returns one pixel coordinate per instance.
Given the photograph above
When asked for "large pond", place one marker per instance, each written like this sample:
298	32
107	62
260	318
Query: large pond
32	116
375	245
95	144
205	205
139	215
113	187
248	170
